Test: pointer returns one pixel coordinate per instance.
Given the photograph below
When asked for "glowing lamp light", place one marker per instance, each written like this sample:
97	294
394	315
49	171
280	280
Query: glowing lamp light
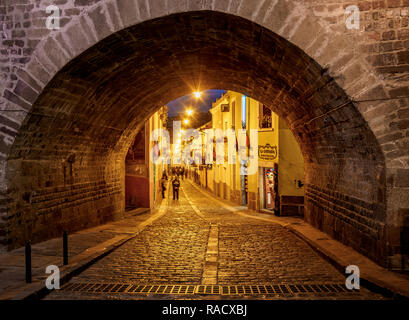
186	121
197	94
189	112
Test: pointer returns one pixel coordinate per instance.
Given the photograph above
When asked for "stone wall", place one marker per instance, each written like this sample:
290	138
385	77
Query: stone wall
340	216
343	93
47	197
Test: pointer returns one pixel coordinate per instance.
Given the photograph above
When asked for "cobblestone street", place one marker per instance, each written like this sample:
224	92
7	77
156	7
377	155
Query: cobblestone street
177	250
287	119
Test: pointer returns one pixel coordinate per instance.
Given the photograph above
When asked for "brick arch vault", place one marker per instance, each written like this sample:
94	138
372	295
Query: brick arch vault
72	100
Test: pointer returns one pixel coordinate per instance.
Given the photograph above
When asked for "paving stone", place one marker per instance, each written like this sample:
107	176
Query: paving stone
172	251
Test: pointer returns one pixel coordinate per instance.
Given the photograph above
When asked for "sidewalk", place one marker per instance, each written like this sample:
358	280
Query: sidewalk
85	247
372	275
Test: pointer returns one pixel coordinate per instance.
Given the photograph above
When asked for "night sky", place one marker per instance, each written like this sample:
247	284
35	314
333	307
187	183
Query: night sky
203	104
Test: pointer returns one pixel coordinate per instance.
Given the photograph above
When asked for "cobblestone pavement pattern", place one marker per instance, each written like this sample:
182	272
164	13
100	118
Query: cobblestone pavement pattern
172	250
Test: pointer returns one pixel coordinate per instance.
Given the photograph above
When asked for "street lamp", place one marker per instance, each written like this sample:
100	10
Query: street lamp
186	121
189	112
197	94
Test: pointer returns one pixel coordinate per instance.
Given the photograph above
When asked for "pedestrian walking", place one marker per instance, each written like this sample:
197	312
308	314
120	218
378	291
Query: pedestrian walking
164	175
176	186
163	186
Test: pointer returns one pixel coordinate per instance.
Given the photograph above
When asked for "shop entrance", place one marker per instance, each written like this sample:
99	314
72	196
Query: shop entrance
269	189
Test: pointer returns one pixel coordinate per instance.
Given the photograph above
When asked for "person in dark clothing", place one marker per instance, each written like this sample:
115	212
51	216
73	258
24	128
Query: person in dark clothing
176	186
163	186
182	173
164	175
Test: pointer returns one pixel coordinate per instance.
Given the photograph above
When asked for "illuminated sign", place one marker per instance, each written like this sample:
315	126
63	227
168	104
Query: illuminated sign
267	152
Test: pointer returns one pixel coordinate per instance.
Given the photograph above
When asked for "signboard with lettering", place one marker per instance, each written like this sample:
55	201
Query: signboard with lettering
267	152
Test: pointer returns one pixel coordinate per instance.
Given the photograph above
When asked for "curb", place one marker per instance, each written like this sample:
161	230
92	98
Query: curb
372	284
37	290
375	285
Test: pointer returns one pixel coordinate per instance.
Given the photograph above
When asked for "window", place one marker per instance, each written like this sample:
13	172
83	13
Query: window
137	151
266	117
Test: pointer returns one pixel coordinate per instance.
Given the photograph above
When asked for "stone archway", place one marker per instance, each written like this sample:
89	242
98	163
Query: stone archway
88	86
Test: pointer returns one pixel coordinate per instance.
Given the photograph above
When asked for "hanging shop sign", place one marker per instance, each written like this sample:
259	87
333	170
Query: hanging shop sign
267	152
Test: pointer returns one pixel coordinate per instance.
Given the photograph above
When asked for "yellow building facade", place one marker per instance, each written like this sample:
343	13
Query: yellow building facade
277	184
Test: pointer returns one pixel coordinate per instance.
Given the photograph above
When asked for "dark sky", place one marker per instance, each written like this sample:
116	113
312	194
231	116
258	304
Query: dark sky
203	104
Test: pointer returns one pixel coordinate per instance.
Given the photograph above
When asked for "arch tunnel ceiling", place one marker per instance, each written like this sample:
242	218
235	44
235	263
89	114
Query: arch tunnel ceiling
95	103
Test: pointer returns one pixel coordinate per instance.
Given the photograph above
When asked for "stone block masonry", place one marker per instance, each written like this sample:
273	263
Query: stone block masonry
79	93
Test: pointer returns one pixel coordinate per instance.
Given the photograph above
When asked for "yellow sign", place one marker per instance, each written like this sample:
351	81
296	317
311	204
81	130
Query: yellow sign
267	149
267	152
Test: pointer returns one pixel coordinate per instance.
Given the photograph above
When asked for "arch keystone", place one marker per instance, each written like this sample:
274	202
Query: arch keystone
101	21
175	6
158	8
128	12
